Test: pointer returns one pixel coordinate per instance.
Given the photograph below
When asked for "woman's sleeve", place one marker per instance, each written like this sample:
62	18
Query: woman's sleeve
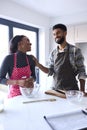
4	70
32	67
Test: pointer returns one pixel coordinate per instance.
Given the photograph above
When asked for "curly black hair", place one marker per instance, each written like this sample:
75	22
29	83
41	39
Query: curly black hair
14	43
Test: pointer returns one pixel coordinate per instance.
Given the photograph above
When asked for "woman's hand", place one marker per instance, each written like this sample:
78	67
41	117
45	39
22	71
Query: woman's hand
28	83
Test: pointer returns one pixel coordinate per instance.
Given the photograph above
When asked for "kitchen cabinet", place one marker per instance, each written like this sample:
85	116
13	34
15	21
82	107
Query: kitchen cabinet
81	33
77	33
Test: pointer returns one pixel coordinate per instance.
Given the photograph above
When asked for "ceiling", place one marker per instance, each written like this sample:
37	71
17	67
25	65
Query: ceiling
55	8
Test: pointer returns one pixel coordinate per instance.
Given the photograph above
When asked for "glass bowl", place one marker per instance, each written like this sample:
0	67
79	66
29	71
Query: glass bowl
74	95
30	92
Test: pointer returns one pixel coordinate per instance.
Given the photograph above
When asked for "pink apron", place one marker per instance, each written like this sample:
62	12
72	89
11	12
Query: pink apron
17	74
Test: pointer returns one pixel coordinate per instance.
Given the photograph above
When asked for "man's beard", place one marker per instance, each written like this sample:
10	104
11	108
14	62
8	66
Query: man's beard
61	40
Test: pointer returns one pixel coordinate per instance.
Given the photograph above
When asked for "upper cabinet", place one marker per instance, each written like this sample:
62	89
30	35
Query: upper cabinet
77	33
81	33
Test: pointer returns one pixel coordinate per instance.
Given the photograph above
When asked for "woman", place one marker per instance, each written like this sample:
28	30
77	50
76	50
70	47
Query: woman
18	66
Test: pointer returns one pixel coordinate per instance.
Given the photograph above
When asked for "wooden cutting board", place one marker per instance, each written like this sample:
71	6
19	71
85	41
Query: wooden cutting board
55	93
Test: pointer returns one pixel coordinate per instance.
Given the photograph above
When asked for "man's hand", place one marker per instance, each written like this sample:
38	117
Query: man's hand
85	94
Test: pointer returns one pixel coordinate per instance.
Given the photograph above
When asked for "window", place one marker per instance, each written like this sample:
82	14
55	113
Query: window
3	41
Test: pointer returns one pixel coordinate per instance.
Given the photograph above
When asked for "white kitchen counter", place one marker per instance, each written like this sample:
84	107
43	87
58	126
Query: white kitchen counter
29	116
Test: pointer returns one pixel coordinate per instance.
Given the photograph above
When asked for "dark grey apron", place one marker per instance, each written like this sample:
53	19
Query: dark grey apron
64	76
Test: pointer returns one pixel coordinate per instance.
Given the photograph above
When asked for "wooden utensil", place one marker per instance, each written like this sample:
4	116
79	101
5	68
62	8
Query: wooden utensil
40	100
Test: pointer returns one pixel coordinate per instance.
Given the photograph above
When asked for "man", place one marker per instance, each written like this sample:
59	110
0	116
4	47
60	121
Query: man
66	63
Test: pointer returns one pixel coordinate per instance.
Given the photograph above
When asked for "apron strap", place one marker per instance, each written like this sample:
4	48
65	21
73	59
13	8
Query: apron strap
14	59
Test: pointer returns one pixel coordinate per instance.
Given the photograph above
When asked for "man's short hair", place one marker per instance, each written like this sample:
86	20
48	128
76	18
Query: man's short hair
61	26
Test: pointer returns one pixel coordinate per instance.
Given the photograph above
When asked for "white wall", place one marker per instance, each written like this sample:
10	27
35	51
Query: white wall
71	19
